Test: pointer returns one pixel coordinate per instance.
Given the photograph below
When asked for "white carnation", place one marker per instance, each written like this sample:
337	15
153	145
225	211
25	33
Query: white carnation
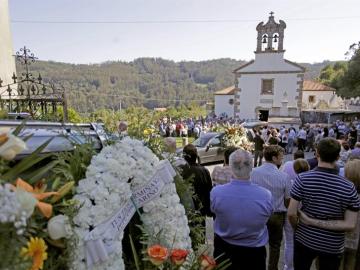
112	175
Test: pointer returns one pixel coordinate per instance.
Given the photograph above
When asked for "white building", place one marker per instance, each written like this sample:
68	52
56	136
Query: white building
224	102
269	86
319	96
7	60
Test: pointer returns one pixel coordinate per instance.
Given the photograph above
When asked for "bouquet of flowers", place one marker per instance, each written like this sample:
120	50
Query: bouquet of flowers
35	208
236	136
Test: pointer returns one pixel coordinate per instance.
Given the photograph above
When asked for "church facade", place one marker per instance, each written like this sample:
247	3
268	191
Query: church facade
268	86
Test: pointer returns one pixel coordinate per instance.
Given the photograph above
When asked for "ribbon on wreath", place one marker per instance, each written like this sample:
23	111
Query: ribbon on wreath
99	242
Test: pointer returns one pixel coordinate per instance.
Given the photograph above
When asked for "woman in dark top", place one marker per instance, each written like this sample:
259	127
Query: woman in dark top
202	183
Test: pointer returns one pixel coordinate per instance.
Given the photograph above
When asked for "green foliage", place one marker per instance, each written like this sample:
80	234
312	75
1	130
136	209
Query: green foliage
108	117
72	165
10	246
349	83
28	165
344	76
140	121
331	74
3	114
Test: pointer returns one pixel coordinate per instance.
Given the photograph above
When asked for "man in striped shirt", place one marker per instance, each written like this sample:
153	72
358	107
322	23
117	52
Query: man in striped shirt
279	184
326	196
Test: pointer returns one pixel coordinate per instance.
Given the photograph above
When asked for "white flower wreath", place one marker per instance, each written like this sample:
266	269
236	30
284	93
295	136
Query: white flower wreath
106	188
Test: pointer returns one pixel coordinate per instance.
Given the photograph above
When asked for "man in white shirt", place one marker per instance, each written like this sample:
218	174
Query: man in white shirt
279	184
291	139
302	139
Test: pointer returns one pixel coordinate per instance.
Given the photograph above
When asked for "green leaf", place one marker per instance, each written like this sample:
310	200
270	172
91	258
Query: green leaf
26	138
18	129
27	162
38	174
135	255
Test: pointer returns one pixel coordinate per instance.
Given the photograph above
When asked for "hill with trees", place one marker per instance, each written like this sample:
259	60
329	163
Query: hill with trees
148	82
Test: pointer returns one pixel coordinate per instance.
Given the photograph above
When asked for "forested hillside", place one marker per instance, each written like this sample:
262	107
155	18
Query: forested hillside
151	82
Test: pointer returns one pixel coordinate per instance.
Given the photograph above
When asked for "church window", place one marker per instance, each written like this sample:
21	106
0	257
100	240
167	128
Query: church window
311	99
267	86
231	101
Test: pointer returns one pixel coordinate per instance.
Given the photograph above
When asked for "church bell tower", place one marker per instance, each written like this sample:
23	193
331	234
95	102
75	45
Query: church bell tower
270	36
7	60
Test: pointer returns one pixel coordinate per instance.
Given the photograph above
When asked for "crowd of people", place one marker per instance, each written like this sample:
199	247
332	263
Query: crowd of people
313	203
192	127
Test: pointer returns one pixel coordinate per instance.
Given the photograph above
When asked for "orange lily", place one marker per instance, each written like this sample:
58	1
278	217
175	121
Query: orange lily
45	208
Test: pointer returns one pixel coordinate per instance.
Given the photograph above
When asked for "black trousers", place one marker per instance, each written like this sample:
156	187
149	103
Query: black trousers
304	257
241	258
301	144
275	226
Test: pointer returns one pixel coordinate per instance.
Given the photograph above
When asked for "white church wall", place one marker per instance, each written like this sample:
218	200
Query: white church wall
251	97
317	96
270	62
7	60
222	105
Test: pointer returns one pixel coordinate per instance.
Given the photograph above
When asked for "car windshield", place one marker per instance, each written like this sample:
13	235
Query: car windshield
202	141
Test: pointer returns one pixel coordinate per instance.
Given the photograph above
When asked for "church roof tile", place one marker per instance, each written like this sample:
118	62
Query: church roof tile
316	86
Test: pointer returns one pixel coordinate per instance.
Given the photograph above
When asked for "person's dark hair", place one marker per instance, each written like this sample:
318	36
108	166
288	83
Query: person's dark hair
299	154
328	149
346	146
271	151
301	165
190	153
342	137
228	152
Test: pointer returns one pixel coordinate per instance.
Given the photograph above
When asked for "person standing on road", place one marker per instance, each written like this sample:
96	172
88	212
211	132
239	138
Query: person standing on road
302	139
291	141
310	139
323	195
223	174
278	183
259	148
202	183
292	168
241	210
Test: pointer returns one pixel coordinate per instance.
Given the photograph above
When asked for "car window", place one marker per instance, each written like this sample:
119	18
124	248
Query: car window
215	141
200	142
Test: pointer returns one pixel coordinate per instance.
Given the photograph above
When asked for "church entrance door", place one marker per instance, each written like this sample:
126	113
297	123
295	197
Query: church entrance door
263	115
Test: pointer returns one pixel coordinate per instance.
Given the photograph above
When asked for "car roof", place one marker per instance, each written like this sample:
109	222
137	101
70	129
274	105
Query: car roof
210	134
254	124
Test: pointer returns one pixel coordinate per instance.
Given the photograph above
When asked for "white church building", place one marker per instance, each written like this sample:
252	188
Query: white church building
268	87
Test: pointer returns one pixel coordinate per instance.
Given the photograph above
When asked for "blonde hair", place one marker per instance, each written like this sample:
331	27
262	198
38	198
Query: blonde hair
352	172
301	165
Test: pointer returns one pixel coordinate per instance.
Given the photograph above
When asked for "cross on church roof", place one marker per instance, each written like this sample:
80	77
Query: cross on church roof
271	13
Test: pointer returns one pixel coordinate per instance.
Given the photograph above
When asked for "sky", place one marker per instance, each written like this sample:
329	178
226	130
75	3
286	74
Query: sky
70	30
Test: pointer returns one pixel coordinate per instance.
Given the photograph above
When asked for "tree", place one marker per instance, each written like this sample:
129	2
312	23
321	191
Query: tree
331	73
349	83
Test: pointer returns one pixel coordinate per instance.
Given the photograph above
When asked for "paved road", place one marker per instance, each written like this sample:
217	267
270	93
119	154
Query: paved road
209	221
